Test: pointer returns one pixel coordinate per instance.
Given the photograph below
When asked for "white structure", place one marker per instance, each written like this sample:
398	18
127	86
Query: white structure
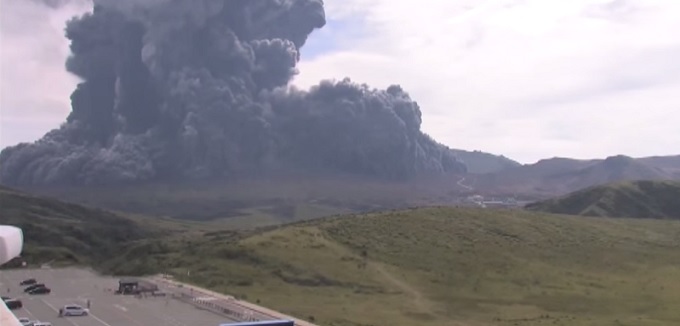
11	244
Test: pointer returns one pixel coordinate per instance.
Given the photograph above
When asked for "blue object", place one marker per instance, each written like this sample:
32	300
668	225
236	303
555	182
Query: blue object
263	323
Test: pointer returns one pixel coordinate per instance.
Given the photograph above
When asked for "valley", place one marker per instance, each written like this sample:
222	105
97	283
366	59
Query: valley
426	266
265	201
291	196
338	176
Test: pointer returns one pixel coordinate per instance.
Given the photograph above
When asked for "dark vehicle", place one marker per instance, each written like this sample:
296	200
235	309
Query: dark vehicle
29	281
40	290
14	304
33	287
135	286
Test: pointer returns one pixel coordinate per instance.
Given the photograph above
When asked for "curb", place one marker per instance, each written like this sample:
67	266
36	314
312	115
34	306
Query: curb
249	312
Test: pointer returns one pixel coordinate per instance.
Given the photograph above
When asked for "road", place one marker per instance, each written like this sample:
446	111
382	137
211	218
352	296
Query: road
76	286
460	183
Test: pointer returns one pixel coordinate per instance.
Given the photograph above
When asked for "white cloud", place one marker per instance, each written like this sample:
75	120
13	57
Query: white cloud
34	85
528	79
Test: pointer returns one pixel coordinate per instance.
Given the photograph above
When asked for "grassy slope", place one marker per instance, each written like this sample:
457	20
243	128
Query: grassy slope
644	199
434	266
440	266
67	232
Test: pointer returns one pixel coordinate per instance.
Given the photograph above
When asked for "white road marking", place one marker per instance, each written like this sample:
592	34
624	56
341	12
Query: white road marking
173	321
30	314
99	320
120	307
49	305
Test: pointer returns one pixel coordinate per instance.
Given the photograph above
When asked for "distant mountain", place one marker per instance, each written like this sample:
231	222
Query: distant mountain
528	179
642	199
478	162
617	168
670	164
559	176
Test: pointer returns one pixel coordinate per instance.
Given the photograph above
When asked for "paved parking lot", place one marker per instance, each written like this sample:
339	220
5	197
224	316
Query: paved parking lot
76	286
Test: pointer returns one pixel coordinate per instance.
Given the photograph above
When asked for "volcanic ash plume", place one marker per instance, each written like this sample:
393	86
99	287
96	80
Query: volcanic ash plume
199	88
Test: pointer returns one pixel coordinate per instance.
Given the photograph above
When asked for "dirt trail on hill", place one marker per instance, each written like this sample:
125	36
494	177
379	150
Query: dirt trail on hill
421	303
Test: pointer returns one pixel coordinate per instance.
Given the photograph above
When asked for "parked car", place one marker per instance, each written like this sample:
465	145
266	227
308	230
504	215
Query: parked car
29	281
73	310
41	323
40	290
13	304
26	322
34	286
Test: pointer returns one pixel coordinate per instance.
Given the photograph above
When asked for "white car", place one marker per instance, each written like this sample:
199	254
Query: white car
73	310
41	323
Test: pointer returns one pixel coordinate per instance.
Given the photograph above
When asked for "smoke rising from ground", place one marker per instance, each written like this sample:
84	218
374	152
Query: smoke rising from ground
199	88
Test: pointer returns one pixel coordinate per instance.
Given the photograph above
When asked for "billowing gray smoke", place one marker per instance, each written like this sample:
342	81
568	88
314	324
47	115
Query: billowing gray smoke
199	88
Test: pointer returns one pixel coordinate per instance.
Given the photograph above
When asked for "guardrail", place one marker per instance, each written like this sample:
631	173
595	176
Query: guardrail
223	304
216	308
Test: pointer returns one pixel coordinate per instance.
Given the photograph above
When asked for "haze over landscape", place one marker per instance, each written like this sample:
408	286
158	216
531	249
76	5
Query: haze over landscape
349	163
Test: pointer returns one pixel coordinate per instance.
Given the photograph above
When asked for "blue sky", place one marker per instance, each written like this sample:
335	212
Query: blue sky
324	41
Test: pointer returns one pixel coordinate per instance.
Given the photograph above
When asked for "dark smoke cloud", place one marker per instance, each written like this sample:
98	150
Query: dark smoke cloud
199	88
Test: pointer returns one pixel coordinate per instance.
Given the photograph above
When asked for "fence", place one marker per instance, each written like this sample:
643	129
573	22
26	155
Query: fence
223	304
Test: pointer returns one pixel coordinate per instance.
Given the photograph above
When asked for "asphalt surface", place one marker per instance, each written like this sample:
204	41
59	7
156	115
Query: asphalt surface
209	300
76	286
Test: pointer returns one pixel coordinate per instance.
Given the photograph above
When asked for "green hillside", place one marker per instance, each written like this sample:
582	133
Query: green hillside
434	266
70	233
642	199
440	266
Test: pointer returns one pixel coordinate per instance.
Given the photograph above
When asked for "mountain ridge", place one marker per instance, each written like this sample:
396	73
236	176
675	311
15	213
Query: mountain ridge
479	162
559	176
639	199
